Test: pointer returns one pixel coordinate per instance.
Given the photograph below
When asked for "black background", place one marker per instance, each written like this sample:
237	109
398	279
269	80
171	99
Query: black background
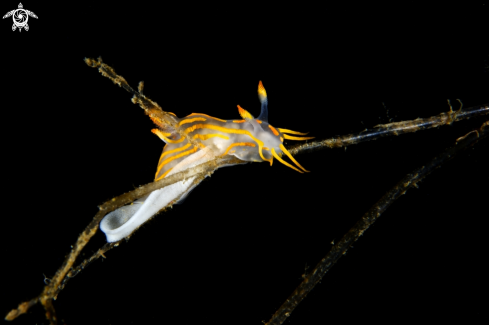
237	247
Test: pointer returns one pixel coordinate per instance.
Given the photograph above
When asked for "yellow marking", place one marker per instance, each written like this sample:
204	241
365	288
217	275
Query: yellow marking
273	130
248	144
292	158
289	137
261	92
292	132
169	159
242	121
164	174
227	130
215	118
158	122
281	139
190	120
175	141
171	113
265	148
161	135
173	151
284	162
245	114
207	136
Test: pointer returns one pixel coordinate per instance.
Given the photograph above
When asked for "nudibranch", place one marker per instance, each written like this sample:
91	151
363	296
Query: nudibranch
248	139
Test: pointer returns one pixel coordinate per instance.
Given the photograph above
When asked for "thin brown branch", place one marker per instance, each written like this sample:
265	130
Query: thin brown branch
59	280
368	219
151	108
396	128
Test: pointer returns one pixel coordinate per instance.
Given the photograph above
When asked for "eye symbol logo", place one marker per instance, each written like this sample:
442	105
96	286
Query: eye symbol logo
20	17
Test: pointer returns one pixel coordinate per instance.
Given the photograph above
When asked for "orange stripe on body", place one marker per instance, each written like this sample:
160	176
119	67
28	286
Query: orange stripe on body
190	120
172	141
227	130
163	176
173	151
242	121
207	136
215	118
247	144
169	159
273	130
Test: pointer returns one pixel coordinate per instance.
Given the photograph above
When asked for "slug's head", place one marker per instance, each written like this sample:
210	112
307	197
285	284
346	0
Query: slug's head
270	140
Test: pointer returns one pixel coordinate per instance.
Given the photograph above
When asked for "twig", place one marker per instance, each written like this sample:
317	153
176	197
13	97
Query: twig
395	128
66	271
59	280
409	181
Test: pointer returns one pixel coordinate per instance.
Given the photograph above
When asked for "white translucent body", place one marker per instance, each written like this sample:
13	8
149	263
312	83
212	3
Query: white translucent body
123	221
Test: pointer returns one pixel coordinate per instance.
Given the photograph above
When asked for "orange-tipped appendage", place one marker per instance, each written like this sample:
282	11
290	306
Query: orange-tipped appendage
245	114
289	137
292	158
284	162
262	94
292	132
